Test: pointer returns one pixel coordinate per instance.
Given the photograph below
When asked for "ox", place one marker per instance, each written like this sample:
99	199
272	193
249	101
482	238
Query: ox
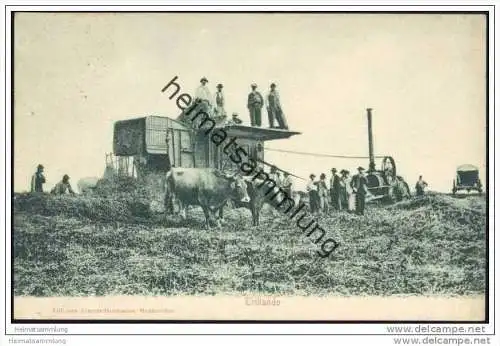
206	187
86	185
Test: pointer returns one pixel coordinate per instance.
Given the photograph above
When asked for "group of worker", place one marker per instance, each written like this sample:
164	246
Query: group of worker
38	180
282	179
342	192
255	103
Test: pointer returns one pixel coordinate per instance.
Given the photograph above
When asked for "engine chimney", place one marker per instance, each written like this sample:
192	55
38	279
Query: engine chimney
371	167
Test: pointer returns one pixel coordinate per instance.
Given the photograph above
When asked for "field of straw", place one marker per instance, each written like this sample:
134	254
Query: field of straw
98	245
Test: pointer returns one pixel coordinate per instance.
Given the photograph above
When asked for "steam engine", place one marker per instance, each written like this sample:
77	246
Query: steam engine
384	184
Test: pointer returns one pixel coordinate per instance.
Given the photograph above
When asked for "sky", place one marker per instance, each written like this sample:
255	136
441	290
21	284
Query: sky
424	76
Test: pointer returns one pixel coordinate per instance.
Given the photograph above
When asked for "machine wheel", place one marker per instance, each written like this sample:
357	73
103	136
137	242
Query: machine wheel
479	187
387	162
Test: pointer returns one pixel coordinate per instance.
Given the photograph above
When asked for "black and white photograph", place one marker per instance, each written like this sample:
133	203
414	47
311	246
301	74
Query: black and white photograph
250	166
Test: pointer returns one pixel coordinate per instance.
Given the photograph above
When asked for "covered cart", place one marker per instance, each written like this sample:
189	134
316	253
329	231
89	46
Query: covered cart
467	178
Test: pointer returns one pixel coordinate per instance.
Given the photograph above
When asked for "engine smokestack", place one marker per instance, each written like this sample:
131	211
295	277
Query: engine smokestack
371	167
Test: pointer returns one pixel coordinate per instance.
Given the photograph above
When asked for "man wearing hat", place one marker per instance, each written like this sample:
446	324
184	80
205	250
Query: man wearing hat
62	187
312	189
344	187
359	185
220	102
335	190
274	110
323	194
202	93
37	180
254	105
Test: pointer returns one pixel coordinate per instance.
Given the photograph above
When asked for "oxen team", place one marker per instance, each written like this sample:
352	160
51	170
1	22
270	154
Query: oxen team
212	189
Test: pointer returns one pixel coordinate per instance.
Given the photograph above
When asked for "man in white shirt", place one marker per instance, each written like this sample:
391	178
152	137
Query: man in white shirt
312	189
202	93
220	102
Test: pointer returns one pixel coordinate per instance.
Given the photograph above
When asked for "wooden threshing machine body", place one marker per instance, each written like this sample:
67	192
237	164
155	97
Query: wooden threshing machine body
147	140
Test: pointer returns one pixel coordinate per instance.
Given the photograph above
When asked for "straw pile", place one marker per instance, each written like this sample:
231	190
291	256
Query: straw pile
75	246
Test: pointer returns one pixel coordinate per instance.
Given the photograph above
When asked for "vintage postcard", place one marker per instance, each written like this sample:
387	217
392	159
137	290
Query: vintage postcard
300	166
